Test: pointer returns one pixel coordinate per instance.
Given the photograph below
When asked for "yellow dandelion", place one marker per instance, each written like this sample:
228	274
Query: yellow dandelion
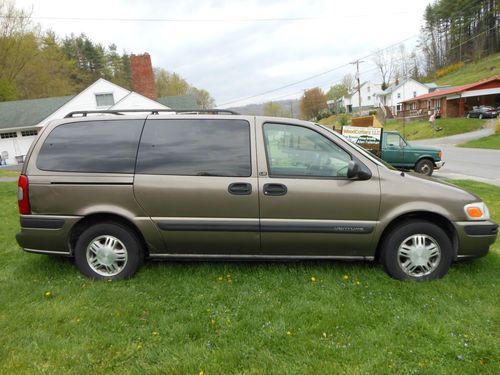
201	372
313	279
228	276
154	333
288	333
212	322
48	295
482	361
220	278
358	283
345	277
324	335
139	347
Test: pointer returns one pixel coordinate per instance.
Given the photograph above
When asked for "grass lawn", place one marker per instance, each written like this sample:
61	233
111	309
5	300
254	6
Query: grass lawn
492	141
245	318
423	130
8	173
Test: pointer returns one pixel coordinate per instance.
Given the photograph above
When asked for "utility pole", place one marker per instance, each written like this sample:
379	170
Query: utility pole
359	84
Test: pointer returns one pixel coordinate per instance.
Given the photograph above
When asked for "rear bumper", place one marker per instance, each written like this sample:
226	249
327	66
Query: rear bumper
46	234
475	238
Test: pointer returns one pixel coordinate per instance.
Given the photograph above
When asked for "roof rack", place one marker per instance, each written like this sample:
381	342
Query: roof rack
119	112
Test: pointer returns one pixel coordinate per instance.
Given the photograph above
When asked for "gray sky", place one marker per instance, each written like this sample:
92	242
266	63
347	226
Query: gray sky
217	49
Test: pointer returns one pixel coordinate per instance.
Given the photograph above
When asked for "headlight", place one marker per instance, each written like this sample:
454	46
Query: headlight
477	211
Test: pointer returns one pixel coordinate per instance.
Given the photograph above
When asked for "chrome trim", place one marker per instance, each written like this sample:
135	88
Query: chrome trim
261	257
439	164
49	252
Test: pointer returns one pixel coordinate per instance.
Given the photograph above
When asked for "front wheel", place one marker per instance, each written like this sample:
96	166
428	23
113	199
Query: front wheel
425	166
108	251
417	250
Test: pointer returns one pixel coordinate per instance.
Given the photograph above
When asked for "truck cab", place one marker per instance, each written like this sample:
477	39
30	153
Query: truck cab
403	155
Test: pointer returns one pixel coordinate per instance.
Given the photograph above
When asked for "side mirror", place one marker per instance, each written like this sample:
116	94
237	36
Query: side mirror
355	171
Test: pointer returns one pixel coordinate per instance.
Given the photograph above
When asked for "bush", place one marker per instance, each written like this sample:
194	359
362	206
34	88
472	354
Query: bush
449	69
372	112
344	120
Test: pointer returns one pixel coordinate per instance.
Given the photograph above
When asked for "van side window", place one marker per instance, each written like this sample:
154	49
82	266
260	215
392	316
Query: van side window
299	151
194	147
92	146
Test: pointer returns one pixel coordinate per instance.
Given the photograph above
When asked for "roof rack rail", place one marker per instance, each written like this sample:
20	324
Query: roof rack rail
119	112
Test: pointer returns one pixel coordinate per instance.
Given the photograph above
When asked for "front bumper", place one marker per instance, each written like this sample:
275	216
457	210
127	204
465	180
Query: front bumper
438	164
46	234
475	237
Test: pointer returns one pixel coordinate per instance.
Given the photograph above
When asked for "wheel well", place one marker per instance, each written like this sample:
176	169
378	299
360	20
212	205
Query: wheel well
425	158
96	218
432	217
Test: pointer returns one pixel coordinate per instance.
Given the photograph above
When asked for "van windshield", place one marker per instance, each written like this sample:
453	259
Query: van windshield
366	153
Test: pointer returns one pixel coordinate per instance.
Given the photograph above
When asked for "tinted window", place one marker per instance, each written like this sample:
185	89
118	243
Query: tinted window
298	151
94	146
195	148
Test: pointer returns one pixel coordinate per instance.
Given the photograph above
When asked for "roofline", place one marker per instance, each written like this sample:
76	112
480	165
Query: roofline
460	89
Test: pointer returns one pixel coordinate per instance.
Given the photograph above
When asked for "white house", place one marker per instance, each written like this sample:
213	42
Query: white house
21	120
369	99
392	97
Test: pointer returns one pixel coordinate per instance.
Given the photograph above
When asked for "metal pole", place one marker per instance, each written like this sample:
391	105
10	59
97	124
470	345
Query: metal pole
359	84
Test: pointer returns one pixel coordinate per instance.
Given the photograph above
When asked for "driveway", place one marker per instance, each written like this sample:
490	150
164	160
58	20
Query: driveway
467	163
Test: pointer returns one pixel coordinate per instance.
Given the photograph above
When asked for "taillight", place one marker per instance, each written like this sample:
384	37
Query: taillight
23	200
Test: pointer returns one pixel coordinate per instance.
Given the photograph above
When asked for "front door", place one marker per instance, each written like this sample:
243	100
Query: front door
197	180
393	150
308	206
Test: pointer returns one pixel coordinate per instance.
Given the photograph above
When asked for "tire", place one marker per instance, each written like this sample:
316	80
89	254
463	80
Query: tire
413	243
480	116
425	166
109	251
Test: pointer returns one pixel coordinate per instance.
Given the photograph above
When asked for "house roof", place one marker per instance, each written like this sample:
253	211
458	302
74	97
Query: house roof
21	113
179	102
394	86
451	90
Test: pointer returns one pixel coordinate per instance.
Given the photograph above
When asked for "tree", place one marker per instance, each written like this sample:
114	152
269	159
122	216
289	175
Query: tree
348	82
273	109
337	91
384	61
312	103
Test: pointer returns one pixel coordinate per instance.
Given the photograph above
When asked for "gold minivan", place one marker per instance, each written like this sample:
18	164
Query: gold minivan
114	188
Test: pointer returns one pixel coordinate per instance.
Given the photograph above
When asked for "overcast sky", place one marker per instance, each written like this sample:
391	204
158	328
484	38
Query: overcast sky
219	46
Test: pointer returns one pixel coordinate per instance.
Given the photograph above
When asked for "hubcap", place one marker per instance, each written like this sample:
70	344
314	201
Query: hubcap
419	255
107	255
425	169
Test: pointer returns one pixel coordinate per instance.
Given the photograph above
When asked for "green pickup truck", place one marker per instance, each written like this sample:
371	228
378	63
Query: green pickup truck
395	150
403	155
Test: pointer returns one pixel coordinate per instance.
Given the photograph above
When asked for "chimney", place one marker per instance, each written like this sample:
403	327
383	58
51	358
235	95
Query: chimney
143	78
397	81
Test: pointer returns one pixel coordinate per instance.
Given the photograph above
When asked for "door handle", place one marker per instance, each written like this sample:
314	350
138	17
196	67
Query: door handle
275	189
240	188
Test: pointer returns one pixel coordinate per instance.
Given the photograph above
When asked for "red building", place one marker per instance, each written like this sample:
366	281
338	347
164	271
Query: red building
455	101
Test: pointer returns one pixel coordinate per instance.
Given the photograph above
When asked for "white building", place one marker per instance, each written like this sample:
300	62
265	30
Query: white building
21	120
369	98
392	97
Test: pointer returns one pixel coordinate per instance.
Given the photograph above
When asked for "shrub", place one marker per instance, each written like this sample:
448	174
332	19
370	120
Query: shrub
372	112
344	120
449	69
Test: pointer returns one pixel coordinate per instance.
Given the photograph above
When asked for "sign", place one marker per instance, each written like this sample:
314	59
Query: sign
366	137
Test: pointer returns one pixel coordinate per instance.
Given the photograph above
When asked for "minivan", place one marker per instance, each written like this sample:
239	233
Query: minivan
113	188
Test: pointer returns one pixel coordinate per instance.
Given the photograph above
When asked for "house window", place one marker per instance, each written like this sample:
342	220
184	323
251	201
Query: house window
8	135
398	107
399	95
104	100
29	133
369	98
414	94
368	88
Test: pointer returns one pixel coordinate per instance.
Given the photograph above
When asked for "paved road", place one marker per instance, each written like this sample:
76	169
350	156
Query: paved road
467	163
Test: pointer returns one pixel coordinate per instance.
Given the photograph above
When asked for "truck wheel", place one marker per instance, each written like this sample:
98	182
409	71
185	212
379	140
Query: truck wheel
425	166
417	250
108	251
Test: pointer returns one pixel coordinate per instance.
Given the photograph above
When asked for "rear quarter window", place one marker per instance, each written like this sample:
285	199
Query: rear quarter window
92	146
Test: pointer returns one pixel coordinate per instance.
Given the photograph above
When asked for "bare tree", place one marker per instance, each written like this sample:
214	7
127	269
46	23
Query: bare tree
386	65
348	82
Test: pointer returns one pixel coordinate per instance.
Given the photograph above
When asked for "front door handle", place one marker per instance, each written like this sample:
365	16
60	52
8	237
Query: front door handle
240	188
275	189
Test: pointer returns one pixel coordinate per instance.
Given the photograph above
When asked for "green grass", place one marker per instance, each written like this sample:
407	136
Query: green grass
472	72
492	142
227	318
8	173
423	130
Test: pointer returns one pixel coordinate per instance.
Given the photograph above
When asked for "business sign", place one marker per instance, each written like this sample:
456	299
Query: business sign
367	137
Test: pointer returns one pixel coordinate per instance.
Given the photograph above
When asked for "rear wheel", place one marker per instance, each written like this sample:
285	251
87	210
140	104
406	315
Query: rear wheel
417	250
425	166
108	251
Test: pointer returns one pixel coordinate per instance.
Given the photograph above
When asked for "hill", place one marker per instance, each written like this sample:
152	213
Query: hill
291	106
473	72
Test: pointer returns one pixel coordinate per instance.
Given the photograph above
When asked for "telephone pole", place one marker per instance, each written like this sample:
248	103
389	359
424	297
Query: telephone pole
359	84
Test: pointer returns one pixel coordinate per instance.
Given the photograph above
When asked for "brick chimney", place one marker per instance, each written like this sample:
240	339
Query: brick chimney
143	78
